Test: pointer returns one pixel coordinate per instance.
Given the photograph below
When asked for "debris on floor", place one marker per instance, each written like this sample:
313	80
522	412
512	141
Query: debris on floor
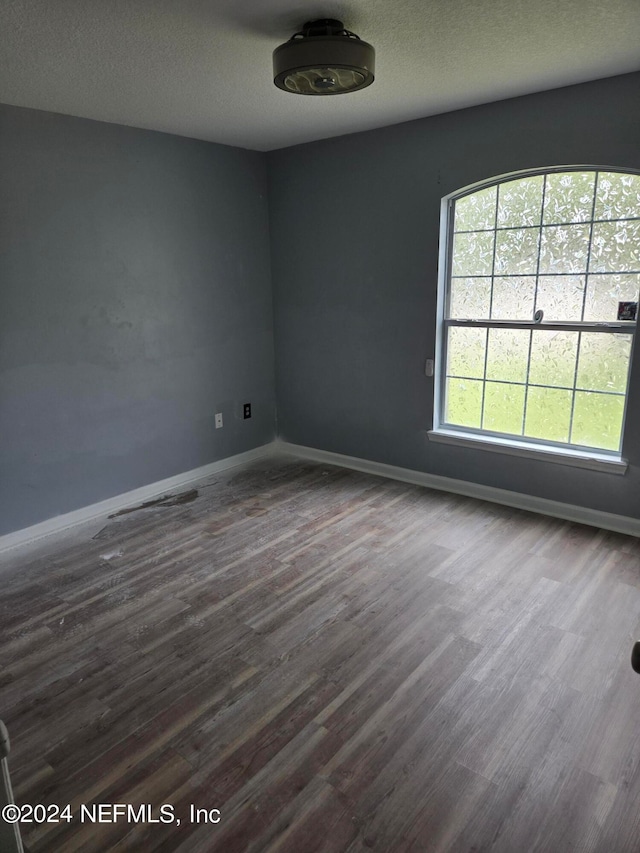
111	554
164	501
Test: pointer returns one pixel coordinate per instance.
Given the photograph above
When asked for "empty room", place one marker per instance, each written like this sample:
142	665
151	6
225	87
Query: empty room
319	426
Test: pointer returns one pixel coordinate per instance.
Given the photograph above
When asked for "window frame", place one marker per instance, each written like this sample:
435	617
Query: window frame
564	452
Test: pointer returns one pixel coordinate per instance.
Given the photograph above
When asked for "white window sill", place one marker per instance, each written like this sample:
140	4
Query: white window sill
563	456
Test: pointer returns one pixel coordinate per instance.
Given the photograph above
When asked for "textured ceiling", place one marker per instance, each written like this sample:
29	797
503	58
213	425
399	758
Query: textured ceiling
202	68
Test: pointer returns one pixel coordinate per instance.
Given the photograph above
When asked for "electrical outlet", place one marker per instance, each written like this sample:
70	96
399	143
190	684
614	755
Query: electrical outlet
247	410
219	420
428	367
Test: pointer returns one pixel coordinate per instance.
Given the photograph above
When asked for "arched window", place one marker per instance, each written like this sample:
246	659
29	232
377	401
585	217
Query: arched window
539	291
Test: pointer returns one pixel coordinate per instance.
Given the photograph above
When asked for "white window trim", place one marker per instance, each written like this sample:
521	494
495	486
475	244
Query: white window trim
446	434
562	455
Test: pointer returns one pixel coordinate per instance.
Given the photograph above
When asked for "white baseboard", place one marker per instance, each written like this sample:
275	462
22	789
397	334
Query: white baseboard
557	509
103	509
94	512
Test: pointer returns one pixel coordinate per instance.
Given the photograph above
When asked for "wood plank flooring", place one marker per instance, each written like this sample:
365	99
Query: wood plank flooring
334	661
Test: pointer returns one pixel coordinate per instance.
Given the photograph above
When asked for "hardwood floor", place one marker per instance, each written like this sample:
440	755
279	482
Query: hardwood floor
334	661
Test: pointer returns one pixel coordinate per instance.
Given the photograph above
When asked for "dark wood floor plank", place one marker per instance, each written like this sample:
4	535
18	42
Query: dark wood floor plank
338	663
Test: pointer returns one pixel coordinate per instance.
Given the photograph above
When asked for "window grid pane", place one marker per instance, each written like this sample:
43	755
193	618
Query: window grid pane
580	336
511	257
540	219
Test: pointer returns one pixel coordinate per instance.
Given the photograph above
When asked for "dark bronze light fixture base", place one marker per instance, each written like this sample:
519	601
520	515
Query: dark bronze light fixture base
323	59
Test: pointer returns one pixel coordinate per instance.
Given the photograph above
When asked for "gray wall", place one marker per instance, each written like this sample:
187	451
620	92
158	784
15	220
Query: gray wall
135	302
354	231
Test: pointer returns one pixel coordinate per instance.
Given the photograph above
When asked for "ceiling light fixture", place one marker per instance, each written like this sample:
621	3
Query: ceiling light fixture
323	59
